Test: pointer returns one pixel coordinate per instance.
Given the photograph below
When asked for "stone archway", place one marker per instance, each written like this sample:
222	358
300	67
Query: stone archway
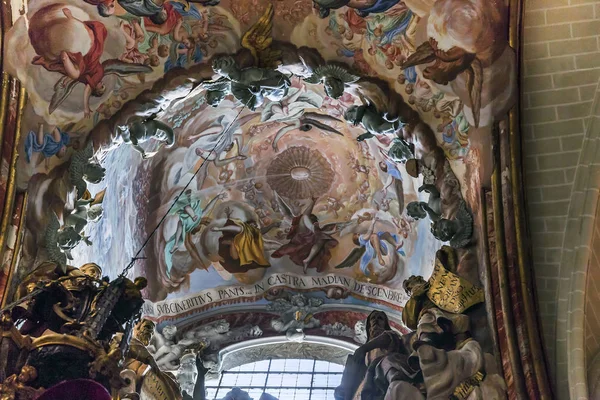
576	256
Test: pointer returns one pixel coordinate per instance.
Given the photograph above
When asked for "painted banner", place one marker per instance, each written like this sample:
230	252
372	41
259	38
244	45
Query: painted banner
216	296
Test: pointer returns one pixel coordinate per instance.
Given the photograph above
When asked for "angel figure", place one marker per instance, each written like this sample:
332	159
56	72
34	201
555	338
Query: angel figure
373	247
309	245
141	129
292	112
166	349
419	209
85	210
59	241
457	231
253	84
187	208
86	69
334	79
84	169
373	121
49	144
362	7
297	314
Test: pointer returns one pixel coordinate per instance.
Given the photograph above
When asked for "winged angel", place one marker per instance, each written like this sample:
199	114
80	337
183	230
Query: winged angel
253	84
296	315
291	111
86	69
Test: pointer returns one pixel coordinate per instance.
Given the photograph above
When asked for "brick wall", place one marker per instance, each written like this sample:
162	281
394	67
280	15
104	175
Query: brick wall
561	69
592	297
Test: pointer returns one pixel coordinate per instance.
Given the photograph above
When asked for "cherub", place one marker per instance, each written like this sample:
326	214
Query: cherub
84	211
374	122
166	350
141	129
457	231
433	207
134	34
333	205
86	69
334	79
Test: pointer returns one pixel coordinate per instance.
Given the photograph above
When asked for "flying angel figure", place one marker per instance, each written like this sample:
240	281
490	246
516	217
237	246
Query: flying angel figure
291	111
377	252
66	84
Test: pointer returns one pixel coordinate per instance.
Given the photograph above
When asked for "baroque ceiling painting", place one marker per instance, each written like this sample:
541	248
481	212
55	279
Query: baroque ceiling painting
272	168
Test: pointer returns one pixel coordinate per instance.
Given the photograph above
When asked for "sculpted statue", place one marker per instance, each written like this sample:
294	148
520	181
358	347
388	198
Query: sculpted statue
167	350
83	168
59	241
86	209
249	85
380	366
457	231
374	122
139	130
433	207
416	167
435	308
334	79
16	387
143	366
401	150
296	315
358	334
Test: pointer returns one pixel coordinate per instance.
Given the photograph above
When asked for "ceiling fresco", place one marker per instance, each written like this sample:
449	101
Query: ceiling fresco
254	148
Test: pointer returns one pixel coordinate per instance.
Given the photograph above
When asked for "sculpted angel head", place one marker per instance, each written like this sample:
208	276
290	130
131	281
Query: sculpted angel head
91	269
169	332
351	115
334	87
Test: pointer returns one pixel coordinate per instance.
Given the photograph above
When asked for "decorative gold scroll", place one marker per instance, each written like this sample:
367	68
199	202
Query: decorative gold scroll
452	293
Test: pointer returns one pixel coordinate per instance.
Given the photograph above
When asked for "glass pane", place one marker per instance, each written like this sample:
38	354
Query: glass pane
302	394
303	380
211	393
244	380
321	366
258	380
292	365
320	380
262	365
247	367
290	379
287	393
319	394
222	392
278	365
229	379
273	392
275	380
334	380
306	365
254	393
336	368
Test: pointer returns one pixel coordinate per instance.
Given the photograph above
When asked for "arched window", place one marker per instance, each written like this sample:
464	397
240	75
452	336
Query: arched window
289	379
